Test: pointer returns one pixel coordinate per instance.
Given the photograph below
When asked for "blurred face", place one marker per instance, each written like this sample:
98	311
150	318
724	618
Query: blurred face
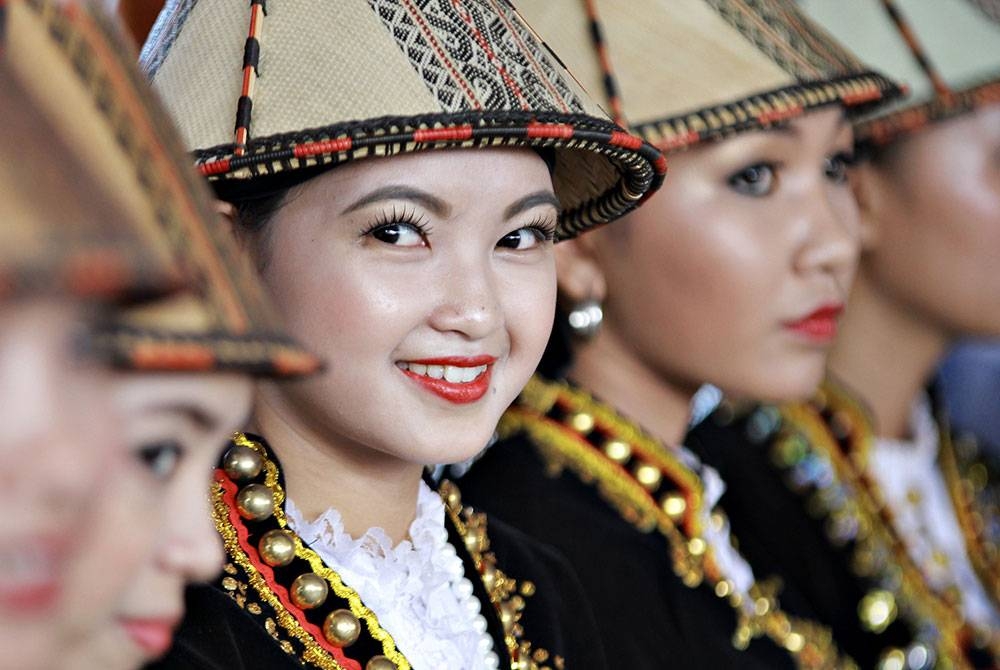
428	283
153	531
934	207
57	436
735	272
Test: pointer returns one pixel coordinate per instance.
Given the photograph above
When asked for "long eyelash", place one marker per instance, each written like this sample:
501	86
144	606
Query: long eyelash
407	215
544	225
849	158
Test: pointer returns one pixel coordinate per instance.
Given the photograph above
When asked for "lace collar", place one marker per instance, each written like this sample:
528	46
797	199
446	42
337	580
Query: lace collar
417	588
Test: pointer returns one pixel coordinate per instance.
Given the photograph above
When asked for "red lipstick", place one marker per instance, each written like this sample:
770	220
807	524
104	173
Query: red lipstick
458	379
154	636
820	325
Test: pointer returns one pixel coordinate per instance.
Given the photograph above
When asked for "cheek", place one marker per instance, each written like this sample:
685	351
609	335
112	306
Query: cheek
528	299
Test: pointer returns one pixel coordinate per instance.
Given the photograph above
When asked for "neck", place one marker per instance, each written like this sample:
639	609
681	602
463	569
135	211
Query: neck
615	374
368	488
886	352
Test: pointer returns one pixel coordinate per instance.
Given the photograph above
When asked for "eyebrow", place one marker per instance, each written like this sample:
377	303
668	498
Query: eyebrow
396	192
202	419
531	200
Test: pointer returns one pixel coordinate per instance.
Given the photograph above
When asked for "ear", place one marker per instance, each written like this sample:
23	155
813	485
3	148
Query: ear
580	275
867	184
227	212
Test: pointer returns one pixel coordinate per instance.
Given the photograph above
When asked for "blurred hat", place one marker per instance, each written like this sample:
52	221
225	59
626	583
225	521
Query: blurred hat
681	72
102	156
946	51
267	97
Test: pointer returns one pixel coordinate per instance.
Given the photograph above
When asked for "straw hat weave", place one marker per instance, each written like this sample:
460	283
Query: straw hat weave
266	96
99	152
946	51
681	72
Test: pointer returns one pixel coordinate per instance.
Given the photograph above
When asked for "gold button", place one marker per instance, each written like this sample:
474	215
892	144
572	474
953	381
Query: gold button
648	475
582	422
255	502
877	610
309	591
341	628
674	505
242	463
380	663
277	548
617	451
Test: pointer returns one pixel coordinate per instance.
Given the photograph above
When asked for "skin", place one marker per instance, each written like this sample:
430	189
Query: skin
928	272
57	438
480	279
153	531
699	285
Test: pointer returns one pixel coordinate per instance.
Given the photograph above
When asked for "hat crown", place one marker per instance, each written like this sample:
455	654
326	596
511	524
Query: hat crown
106	122
947	52
263	95
682	70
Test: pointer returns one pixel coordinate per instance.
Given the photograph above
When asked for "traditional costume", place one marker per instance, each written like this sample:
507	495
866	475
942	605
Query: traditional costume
308	86
891	542
640	519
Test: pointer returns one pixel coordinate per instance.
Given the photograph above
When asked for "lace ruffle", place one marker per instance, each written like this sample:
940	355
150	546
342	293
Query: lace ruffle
417	589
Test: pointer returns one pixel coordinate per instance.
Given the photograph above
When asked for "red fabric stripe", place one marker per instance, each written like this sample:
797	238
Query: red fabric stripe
450	134
236	521
779	114
173	356
550	130
214	167
622	139
860	97
323	147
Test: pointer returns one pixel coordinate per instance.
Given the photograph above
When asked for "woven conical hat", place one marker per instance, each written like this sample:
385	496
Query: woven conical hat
68	223
104	128
679	72
309	83
946	51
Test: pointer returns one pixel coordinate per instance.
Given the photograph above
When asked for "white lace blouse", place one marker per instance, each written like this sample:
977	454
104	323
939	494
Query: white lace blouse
914	489
417	589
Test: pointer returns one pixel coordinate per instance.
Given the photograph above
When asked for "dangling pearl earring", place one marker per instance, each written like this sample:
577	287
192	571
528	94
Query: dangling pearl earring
585	319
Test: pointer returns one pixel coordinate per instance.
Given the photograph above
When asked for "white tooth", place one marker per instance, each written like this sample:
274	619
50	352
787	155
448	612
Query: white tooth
453	374
469	374
402	365
418	368
435	371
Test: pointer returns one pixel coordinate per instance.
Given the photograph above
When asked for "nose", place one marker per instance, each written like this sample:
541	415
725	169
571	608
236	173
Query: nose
192	547
469	303
832	240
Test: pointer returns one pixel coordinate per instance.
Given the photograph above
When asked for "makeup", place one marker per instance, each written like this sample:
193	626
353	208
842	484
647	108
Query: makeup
154	636
820	325
458	379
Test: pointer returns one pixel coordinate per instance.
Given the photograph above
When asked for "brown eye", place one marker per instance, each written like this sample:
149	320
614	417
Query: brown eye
525	238
161	458
399	234
835	167
755	180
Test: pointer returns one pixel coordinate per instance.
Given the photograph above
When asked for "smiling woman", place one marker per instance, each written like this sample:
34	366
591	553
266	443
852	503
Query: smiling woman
399	173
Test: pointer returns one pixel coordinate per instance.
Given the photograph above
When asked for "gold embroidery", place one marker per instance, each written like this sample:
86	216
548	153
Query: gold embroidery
313	652
623	474
877	548
507	597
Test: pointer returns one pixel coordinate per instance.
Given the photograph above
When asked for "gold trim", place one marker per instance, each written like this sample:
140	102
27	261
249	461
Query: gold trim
875	525
810	644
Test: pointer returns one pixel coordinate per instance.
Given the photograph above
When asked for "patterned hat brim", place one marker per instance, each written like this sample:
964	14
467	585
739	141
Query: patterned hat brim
902	122
260	354
640	166
856	93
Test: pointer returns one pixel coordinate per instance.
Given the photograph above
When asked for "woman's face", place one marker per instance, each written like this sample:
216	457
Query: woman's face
427	283
152	531
934	207
735	272
57	438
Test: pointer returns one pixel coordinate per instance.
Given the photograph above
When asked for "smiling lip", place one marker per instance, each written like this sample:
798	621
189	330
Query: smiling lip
467	384
818	326
154	636
30	581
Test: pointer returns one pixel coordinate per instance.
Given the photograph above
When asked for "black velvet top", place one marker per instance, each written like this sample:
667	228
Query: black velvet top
254	616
